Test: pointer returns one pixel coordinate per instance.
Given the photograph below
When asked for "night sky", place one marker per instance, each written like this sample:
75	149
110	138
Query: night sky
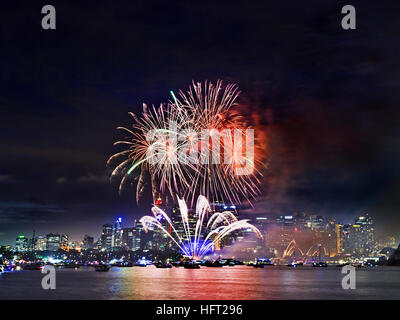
326	98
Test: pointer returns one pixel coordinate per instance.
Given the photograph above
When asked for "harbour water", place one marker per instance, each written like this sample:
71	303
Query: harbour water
226	283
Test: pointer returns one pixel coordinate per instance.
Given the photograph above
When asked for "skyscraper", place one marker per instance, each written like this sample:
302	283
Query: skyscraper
53	242
137	235
64	242
262	223
364	237
87	242
21	244
40	244
315	222
106	237
340	237
285	232
74	245
117	234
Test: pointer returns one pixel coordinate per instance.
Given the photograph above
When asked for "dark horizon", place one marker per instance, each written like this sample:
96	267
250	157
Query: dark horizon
326	98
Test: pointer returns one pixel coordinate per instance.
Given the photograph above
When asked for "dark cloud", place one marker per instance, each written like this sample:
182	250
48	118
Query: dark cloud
23	214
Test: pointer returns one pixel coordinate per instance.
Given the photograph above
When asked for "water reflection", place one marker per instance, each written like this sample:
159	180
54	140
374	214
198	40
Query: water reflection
227	283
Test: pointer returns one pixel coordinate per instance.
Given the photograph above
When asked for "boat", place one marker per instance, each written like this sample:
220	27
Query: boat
258	265
191	265
295	264
32	266
202	262
102	268
143	262
230	262
263	263
162	265
213	264
9	268
342	264
71	265
319	264
122	264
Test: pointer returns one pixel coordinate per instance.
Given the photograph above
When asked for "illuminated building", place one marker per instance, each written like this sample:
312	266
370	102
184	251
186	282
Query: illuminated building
315	222
386	241
391	242
249	242
177	222
301	221
117	234
346	238
87	242
286	229
356	240
221	207
128	238
40	243
53	242
261	223
329	238
31	244
74	245
137	235
362	236
106	237
64	242
339	238
158	239
97	244
21	244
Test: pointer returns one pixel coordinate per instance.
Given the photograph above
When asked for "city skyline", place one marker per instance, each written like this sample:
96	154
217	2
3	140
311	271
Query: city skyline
278	234
249	212
132	220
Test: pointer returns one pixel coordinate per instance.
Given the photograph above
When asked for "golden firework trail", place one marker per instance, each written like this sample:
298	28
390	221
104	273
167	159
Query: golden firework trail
163	140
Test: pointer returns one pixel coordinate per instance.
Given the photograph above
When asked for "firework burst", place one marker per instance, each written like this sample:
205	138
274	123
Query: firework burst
210	108
162	163
177	145
193	243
